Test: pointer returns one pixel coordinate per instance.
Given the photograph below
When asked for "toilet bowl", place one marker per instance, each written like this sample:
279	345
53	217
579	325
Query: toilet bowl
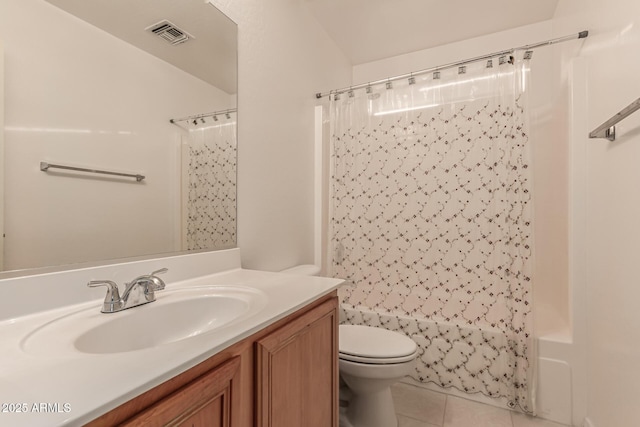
370	361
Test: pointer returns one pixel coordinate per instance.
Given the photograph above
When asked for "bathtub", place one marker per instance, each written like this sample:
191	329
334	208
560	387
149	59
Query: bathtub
466	360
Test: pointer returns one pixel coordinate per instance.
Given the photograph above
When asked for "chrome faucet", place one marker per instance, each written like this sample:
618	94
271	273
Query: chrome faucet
140	290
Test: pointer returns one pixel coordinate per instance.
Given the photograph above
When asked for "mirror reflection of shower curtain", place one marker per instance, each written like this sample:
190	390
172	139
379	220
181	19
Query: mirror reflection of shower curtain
209	187
431	220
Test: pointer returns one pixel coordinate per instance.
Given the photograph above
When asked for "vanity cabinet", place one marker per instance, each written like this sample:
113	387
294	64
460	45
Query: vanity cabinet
207	401
297	372
284	375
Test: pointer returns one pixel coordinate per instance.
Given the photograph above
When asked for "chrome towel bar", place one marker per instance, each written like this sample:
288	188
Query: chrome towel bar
44	166
607	129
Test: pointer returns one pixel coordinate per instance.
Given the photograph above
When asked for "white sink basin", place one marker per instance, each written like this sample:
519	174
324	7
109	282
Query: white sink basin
176	315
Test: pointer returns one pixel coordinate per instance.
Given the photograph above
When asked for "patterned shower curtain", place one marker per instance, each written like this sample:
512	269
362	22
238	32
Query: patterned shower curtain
430	221
211	186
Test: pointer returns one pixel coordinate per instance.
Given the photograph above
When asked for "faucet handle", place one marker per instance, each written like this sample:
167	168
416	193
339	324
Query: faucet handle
112	301
112	288
157	284
161	271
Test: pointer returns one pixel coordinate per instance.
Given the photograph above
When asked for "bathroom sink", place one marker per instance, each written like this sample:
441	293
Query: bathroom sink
176	315
157	324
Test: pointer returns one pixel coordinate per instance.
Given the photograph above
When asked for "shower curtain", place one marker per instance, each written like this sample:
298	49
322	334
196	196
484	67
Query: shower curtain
211	186
430	222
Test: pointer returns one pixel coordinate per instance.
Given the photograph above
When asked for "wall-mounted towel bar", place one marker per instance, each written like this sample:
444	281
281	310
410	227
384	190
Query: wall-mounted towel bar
608	129
44	166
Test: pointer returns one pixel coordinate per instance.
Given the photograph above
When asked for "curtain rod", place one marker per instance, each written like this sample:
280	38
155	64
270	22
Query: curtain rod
200	116
580	35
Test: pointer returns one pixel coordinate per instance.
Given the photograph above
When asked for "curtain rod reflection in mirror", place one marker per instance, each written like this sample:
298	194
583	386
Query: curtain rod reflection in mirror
201	117
44	167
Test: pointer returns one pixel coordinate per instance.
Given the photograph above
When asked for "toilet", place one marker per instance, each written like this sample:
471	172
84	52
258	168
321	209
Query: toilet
370	361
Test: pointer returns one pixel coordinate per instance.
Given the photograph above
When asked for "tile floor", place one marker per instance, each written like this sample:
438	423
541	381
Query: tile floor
418	407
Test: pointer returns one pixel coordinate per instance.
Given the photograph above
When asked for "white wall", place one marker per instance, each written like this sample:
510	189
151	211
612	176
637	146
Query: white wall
550	176
606	201
285	57
1	150
76	95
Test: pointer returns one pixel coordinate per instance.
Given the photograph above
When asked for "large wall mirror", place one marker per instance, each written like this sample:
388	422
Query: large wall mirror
146	88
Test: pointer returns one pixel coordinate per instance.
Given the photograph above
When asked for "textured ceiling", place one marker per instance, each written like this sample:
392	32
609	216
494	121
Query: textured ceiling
211	55
368	30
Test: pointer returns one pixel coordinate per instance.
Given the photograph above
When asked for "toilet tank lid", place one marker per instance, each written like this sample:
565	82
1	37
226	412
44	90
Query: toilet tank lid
303	270
375	343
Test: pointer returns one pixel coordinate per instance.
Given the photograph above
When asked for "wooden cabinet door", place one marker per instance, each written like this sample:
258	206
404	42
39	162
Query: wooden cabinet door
297	371
209	401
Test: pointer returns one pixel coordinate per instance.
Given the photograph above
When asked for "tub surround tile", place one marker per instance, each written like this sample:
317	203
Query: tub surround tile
465	413
419	404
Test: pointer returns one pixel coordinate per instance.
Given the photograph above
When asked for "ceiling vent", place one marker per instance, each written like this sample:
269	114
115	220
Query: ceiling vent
169	32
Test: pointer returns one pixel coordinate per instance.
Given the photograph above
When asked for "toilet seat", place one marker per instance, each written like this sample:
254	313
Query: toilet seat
370	345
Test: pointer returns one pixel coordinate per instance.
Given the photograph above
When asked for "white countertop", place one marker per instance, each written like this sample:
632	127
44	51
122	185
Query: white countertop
77	387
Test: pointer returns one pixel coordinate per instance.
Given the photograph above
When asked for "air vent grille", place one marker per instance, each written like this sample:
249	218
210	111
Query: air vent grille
169	32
